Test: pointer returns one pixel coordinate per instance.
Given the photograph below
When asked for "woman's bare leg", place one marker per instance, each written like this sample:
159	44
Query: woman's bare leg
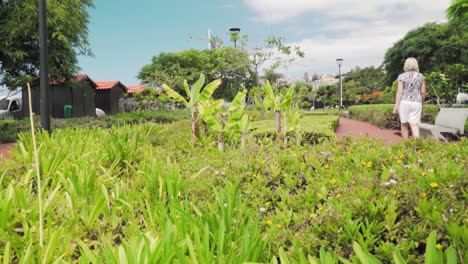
404	130
415	130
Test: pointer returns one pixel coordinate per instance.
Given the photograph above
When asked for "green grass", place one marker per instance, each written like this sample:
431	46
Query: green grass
143	193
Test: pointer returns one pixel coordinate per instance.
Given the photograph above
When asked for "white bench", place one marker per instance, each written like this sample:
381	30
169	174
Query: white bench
451	120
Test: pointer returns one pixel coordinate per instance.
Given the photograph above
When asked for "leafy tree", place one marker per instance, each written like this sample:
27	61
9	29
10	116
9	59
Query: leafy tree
457	10
434	46
229	64
19	37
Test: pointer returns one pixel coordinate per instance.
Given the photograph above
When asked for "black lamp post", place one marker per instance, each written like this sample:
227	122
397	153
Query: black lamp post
44	67
340	61
234	32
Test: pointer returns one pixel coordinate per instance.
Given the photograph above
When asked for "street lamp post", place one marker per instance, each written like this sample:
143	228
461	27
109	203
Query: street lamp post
340	61
234	36
235	33
44	67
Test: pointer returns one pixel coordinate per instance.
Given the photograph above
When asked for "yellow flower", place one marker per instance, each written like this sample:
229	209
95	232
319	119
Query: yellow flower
118	208
423	195
86	240
254	175
54	223
302	163
434	184
338	195
326	166
423	173
369	164
401	156
66	252
333	181
278	226
267	203
269	222
312	215
399	161
294	155
439	246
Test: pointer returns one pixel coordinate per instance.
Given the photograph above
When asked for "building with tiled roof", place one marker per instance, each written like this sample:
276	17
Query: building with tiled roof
135	89
108	94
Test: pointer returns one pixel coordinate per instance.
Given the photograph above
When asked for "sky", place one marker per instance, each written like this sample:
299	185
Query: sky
125	34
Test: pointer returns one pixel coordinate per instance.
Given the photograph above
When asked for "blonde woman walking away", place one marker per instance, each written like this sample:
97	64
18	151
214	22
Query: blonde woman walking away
410	98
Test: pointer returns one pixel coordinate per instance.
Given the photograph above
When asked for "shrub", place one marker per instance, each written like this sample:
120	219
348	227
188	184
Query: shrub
9	129
142	192
382	115
314	127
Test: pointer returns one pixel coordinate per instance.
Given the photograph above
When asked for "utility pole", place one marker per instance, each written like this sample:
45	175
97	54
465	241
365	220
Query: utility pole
44	67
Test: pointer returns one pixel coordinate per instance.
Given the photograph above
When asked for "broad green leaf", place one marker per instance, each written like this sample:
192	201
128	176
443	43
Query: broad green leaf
187	88
397	257
363	257
237	101
175	95
209	90
196	88
244	123
433	255
451	255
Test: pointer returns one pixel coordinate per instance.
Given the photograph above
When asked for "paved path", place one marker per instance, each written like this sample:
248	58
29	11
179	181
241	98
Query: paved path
357	129
4	150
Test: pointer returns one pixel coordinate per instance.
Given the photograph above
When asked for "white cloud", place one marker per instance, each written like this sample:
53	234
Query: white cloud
360	31
275	11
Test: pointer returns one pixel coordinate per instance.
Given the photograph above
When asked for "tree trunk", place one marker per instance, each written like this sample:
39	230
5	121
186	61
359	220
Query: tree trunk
278	126
195	129
221	133
242	140
206	128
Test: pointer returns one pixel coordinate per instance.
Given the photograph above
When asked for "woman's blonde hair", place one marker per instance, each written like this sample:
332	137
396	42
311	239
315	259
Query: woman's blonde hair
411	64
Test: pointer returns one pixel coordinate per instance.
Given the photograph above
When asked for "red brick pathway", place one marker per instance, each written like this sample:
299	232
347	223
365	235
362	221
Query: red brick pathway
357	129
5	149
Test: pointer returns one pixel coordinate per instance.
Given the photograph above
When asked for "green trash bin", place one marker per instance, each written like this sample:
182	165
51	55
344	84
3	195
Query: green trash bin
67	111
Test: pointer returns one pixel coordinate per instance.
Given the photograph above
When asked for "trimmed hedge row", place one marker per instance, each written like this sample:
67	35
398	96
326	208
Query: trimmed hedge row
314	128
382	115
9	129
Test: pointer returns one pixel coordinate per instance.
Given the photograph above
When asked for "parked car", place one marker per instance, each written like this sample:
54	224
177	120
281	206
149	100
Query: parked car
10	107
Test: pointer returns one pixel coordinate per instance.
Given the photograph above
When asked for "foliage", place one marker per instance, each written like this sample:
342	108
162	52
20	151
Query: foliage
197	95
10	129
434	46
383	117
19	37
313	128
143	194
457	10
280	104
229	64
439	89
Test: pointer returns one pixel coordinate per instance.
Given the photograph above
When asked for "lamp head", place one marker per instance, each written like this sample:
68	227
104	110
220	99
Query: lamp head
339	61
234	30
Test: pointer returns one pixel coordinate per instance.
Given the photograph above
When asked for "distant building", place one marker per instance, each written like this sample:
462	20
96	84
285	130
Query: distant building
108	94
135	89
325	80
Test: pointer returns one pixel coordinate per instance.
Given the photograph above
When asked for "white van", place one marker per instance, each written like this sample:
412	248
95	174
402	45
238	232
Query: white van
10	107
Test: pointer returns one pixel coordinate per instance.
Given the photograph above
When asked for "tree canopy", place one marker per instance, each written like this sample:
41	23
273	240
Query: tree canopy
229	64
434	45
67	27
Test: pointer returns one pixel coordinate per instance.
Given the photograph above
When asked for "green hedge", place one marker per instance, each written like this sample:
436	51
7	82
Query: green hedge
9	129
314	128
382	115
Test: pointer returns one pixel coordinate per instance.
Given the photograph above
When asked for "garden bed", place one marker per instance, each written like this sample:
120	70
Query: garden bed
143	192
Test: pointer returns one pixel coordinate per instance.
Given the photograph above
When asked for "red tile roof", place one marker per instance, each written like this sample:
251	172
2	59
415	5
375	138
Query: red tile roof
106	85
135	88
80	77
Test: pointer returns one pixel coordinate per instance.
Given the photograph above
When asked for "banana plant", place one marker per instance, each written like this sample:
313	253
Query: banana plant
291	123
244	128
197	96
223	121
278	103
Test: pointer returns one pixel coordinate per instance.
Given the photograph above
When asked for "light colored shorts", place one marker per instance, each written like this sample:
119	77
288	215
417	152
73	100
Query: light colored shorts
410	112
